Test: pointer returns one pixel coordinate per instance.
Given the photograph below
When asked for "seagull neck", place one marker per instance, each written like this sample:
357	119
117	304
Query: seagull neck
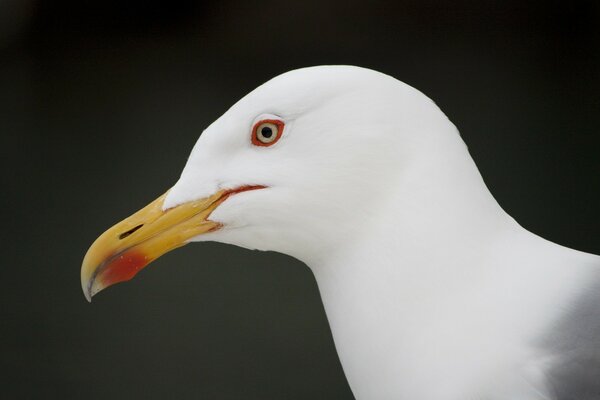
428	210
435	222
382	291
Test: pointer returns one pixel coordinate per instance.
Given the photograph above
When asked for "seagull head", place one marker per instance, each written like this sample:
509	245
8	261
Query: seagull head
301	165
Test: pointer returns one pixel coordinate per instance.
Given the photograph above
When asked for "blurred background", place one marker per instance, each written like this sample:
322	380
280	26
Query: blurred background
102	100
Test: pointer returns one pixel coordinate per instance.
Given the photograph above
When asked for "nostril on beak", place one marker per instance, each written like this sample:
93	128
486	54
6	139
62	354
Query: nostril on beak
129	232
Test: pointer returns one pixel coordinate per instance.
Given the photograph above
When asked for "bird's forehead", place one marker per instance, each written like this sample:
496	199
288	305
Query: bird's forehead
296	92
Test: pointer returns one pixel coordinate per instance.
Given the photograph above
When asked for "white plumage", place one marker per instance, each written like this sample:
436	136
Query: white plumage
431	289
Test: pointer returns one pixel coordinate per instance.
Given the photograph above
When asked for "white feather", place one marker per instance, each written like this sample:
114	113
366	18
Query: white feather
431	289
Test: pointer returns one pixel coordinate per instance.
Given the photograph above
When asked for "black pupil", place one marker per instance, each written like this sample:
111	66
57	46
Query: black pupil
266	132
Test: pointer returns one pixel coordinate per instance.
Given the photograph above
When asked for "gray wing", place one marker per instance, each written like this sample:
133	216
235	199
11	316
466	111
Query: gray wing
575	340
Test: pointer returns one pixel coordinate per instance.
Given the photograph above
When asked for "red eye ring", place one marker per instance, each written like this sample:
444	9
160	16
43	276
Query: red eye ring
267	132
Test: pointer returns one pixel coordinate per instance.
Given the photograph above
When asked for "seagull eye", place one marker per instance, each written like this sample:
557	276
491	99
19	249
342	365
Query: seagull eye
266	132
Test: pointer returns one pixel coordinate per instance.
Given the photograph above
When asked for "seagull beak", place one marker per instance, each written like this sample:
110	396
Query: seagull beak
123	250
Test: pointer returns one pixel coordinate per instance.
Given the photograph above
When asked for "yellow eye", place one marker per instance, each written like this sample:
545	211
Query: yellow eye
267	132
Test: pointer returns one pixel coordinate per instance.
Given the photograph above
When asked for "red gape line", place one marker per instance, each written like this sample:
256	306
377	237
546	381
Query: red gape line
240	189
280	126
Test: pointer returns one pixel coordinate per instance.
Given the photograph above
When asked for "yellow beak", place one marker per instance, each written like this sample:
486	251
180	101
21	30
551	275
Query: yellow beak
123	250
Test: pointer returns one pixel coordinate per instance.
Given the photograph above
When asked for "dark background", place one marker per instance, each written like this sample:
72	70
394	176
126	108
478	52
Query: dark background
101	102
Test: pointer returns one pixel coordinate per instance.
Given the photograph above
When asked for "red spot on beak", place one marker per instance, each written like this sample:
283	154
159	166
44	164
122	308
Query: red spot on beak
123	267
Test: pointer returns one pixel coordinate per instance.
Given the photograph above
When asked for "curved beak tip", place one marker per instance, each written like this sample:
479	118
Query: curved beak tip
86	284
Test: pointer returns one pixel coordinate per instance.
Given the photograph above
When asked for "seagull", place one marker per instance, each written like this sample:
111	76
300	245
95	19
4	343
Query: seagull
431	289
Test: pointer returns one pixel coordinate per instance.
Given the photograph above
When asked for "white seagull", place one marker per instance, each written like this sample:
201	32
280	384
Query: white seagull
432	290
